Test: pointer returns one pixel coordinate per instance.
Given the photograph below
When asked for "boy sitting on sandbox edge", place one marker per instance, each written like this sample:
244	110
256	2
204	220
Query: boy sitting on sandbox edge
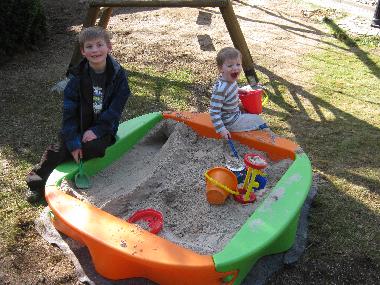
224	109
93	102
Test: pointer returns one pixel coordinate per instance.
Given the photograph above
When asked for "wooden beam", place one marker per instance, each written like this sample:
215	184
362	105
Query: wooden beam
239	42
159	3
90	20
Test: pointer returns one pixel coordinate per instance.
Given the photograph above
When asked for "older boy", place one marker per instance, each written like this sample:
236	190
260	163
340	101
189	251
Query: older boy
224	107
94	99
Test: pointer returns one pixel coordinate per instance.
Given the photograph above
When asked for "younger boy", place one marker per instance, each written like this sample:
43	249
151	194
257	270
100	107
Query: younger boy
224	107
94	99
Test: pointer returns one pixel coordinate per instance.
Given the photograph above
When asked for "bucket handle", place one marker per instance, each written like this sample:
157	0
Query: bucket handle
265	97
220	185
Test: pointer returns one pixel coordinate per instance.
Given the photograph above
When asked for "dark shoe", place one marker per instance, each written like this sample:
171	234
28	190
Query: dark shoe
33	196
263	126
35	181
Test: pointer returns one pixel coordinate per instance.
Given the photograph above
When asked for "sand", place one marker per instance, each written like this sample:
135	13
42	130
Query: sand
165	172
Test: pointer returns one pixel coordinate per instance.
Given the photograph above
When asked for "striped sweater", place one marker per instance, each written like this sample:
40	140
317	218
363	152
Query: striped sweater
224	106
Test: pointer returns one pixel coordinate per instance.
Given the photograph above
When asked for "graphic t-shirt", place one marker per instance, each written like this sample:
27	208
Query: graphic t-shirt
98	85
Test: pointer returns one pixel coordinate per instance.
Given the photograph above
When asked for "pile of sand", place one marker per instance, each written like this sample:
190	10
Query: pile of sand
165	171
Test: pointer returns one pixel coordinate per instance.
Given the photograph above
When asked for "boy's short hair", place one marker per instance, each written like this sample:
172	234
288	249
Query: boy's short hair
91	33
227	53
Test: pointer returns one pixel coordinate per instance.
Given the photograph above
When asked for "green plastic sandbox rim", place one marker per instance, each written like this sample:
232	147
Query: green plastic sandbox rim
129	133
270	229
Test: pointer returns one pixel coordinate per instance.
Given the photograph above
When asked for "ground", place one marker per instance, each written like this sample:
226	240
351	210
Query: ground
277	32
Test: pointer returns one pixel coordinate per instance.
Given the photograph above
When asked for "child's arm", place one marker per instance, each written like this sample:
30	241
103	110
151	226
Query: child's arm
71	122
216	104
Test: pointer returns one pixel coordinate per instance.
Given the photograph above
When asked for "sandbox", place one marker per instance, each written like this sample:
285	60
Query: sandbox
165	172
218	244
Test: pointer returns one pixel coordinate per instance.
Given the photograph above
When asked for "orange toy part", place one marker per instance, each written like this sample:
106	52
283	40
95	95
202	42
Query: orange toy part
122	250
216	195
277	148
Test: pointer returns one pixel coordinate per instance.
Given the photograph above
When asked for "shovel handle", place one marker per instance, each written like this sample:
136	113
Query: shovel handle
233	148
80	167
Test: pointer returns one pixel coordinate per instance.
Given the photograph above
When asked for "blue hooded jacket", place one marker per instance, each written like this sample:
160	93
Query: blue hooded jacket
78	113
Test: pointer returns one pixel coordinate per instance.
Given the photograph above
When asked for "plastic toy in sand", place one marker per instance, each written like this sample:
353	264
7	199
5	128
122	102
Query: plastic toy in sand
241	198
238	169
256	161
151	217
235	165
254	179
220	183
81	179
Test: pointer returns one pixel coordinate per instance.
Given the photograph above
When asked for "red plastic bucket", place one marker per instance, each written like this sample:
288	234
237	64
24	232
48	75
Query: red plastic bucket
252	100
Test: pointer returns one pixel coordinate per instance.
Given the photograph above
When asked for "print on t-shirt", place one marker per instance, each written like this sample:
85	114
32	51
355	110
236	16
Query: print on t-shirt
98	99
99	90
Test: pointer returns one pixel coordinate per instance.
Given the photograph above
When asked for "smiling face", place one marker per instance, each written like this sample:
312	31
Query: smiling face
96	51
231	69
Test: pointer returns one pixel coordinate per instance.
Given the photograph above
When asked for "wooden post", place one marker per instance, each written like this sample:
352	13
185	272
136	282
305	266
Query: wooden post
239	42
90	20
376	17
159	3
105	17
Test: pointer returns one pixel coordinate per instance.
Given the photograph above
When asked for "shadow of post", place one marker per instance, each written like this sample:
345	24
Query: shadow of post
342	36
317	137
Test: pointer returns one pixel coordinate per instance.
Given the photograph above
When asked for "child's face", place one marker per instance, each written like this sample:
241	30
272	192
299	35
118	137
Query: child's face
231	69
96	51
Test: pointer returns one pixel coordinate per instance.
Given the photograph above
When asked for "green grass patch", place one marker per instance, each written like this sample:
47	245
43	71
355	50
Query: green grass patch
340	130
14	211
155	90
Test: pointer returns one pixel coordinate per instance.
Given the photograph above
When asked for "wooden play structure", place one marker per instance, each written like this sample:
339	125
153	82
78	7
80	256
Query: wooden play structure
102	9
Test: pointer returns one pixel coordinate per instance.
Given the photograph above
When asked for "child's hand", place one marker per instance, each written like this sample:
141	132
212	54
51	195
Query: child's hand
225	134
77	154
88	136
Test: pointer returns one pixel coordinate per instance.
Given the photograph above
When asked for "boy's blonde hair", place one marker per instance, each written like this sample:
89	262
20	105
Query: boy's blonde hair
227	53
91	33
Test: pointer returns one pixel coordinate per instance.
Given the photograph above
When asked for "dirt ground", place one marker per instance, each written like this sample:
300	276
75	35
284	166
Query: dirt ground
278	33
